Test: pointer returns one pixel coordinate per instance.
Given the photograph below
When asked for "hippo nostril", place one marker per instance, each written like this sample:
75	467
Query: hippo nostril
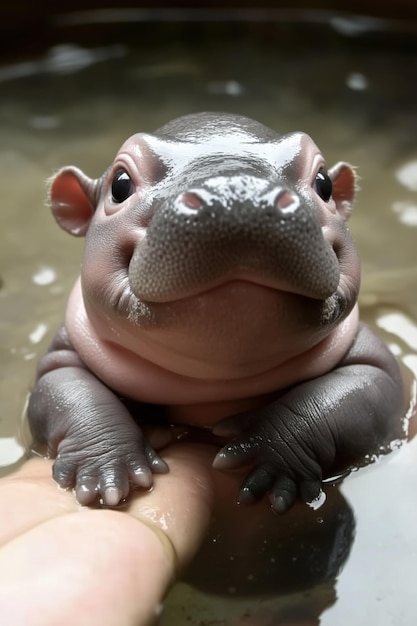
286	201
192	200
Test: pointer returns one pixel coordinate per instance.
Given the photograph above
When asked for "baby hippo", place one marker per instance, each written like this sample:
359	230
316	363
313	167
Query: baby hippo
218	292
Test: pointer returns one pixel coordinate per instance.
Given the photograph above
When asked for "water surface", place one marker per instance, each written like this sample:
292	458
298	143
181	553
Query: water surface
357	96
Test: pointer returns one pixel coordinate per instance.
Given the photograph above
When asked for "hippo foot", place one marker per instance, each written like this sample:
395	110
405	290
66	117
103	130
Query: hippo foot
267	478
284	465
105	476
282	490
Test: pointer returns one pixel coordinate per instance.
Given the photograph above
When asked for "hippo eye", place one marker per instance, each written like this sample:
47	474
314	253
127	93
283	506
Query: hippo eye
324	185
121	187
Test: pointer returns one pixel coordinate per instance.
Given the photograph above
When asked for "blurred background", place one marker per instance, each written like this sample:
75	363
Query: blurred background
26	27
77	78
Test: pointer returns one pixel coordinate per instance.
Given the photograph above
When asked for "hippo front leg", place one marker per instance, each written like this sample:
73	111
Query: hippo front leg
318	427
99	448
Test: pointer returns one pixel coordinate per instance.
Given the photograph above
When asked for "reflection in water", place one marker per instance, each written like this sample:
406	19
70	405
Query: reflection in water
62	59
263	574
407	213
357	81
293	553
44	276
357	97
400	325
11	451
407	175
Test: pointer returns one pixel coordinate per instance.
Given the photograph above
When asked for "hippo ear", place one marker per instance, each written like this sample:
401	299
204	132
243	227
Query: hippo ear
344	187
73	197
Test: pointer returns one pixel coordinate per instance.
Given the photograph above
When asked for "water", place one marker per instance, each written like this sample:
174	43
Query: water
356	95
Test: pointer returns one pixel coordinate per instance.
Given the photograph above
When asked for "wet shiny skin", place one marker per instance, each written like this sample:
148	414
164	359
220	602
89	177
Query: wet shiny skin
236	290
347	127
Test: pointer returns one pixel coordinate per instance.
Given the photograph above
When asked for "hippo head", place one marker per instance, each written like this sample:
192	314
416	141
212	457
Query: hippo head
215	247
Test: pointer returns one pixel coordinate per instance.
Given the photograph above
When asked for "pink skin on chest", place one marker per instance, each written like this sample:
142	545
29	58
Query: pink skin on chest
143	371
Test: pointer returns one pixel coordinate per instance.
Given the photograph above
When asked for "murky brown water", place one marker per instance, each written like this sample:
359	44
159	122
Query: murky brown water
357	96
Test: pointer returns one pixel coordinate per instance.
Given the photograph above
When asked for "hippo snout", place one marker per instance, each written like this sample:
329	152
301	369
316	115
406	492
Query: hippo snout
237	227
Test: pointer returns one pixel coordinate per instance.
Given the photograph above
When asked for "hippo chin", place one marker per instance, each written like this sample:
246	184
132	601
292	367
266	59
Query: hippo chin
219	280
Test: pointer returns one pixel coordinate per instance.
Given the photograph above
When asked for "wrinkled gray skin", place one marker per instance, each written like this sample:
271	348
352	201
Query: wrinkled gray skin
219	280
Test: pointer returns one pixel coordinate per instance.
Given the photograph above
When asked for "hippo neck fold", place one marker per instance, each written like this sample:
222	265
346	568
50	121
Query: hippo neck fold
135	375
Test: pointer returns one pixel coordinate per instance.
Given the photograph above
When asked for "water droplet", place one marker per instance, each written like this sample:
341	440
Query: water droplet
318	502
357	81
407	175
38	334
407	213
44	276
10	451
226	87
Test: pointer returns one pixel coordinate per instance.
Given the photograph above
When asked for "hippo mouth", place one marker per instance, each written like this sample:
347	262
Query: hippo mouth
249	281
159	275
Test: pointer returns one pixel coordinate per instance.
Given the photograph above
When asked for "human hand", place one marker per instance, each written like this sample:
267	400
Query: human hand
63	563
